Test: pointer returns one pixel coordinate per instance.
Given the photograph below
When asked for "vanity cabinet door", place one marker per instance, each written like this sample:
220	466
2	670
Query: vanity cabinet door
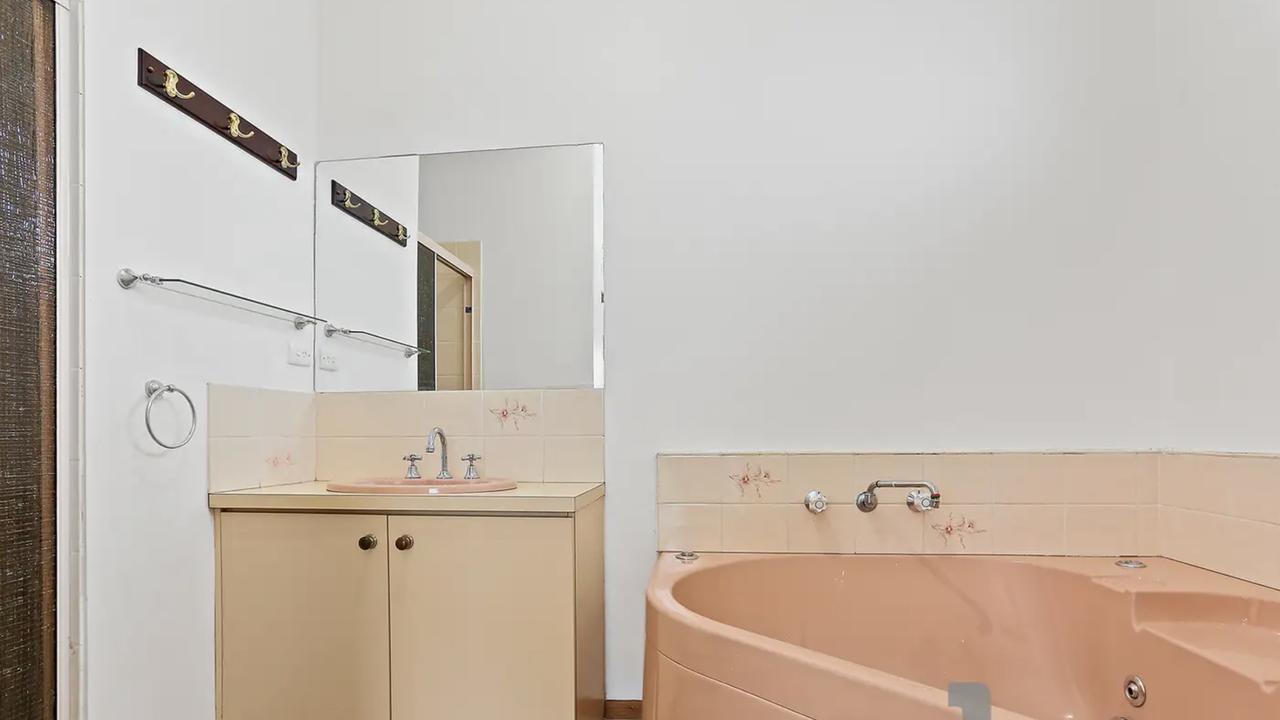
482	618
303	631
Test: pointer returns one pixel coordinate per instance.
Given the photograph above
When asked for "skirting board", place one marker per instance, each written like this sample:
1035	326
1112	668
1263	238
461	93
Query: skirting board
621	709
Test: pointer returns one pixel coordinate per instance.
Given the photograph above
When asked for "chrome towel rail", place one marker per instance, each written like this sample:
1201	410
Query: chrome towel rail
128	279
409	350
155	390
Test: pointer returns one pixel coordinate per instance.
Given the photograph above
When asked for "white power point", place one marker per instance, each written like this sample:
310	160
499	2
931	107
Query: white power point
300	354
328	360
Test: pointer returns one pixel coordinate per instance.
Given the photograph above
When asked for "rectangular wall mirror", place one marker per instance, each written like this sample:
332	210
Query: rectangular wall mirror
461	271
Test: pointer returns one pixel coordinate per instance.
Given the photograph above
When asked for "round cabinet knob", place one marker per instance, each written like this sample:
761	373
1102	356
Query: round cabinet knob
404	542
368	542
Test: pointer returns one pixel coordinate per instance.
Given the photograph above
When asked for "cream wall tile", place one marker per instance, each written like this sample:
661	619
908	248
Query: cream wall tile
958	529
1028	529
515	458
359	458
1027	479
892	528
961	478
288	414
574	459
1240	486
689	527
288	460
449	383
832	474
459	413
1241	548
573	412
233	411
371	414
1149	530
236	463
1102	530
513	412
760	479
236	411
1109	478
754	528
695	479
832	531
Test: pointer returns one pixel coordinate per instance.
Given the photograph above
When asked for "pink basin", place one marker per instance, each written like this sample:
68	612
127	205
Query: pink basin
421	486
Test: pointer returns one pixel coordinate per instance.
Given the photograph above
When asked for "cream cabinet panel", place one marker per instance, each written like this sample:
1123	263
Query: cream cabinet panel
483	618
303	617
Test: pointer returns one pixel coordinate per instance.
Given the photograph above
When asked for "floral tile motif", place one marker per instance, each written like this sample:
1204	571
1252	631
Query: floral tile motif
956	529
752	479
281	461
512	412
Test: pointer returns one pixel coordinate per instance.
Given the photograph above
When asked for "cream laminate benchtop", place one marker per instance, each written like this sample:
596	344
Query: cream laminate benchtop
530	498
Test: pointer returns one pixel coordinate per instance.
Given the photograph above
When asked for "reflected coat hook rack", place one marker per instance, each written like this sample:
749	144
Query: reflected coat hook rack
165	83
364	211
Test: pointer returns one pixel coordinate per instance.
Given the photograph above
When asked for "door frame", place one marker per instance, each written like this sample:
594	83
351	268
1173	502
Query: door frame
70	520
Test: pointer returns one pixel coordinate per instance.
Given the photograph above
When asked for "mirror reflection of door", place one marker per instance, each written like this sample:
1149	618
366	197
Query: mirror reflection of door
453	318
448	315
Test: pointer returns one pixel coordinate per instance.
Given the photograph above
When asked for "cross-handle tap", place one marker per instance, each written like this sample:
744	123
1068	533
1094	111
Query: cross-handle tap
472	473
411	473
917	500
444	452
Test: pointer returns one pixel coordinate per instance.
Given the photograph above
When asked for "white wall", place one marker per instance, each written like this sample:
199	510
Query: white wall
533	212
1220	107
364	280
165	195
848	225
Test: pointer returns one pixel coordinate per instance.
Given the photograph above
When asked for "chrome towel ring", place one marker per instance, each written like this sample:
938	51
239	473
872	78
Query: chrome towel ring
155	389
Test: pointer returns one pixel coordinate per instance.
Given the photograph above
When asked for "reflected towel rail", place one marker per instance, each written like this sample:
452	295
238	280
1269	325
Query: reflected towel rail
129	279
409	350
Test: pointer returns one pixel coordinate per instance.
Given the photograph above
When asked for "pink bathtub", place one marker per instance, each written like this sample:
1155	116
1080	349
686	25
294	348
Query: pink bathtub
867	637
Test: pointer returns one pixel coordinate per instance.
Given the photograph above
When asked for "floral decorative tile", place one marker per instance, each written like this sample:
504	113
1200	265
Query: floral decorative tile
956	530
752	479
512	411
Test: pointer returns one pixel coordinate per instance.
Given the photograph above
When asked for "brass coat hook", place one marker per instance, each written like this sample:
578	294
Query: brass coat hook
346	202
377	218
401	234
233	127
284	159
171	86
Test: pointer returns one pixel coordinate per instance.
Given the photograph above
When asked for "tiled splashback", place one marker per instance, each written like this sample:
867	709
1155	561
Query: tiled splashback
259	437
1221	512
991	503
525	435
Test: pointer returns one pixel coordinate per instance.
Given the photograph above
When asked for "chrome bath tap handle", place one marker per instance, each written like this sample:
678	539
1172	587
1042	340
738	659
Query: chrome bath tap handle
918	500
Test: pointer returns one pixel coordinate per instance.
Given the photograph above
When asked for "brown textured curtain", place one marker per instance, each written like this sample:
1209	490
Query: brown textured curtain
28	455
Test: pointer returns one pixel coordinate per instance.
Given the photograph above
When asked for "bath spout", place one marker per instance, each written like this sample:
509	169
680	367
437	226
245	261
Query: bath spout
917	499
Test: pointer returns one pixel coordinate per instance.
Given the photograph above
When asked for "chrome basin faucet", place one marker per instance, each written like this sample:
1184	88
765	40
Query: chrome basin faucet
444	452
917	500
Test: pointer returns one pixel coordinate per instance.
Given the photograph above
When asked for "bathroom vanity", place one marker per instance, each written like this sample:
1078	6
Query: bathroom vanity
367	607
